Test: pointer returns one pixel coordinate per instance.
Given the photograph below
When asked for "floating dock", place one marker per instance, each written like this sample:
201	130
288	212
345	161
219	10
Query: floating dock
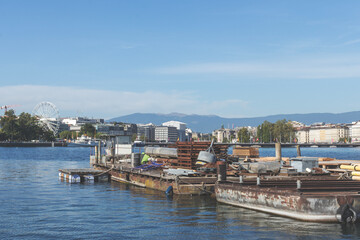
83	175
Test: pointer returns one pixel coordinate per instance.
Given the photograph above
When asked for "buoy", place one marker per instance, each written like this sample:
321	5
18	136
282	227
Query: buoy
169	190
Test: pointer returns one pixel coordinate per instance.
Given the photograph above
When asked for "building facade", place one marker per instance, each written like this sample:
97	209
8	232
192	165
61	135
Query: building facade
224	135
166	134
354	131
146	132
181	128
329	133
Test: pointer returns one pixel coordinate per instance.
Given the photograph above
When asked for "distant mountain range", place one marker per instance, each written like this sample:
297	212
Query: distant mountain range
208	123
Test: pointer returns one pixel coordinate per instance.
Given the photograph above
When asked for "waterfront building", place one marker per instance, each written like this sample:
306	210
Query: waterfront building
181	128
111	129
323	133
166	134
146	132
189	134
224	135
354	131
302	135
76	121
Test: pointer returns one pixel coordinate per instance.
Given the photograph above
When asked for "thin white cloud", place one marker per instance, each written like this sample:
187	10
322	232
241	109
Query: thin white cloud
352	42
107	104
327	68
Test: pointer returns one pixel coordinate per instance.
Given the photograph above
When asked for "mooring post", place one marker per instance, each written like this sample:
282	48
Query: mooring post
278	152
221	171
99	151
241	179
96	155
298	150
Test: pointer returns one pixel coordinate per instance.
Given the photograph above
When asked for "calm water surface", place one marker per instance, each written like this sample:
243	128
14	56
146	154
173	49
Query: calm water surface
34	204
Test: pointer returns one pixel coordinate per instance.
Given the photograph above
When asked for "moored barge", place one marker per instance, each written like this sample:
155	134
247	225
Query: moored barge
171	170
306	199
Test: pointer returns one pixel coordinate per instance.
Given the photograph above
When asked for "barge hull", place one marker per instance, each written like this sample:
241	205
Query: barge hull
320	207
180	185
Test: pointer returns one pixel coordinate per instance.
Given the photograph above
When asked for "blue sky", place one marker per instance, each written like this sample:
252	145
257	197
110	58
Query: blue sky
228	58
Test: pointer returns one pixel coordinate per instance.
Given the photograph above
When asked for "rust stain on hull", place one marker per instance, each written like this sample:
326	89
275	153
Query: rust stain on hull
312	207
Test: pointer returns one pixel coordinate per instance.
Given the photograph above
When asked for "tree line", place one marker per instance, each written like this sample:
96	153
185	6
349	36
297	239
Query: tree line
280	131
24	127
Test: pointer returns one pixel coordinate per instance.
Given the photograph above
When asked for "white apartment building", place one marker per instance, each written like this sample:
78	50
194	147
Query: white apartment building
354	131
303	135
322	134
166	134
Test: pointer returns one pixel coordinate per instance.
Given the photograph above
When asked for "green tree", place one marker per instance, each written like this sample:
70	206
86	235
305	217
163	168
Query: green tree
280	131
143	138
23	128
100	135
133	137
244	135
47	135
265	132
66	134
283	131
87	129
9	125
28	127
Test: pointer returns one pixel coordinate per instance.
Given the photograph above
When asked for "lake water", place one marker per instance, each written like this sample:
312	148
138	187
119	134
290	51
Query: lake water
34	204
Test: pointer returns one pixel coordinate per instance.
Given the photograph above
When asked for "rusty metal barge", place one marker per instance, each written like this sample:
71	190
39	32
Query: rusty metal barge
169	169
297	189
307	199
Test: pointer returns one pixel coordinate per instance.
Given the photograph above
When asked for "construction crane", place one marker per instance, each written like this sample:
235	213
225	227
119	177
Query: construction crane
8	106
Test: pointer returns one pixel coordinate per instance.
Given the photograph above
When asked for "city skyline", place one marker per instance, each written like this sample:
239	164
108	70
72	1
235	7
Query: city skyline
233	59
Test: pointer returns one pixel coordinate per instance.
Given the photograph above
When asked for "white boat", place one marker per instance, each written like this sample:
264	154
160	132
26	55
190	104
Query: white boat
84	141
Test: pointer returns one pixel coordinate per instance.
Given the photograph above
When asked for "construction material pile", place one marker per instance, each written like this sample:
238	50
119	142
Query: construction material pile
353	169
185	155
244	152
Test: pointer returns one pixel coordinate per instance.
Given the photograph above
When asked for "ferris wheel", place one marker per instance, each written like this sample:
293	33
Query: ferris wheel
48	115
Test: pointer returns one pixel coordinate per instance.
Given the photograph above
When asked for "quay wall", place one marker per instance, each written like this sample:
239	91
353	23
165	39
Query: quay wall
33	144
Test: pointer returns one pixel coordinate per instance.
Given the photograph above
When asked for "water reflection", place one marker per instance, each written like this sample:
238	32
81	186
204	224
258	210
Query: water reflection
228	221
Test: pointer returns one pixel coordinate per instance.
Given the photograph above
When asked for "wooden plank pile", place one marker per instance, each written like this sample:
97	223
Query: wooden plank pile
246	152
188	152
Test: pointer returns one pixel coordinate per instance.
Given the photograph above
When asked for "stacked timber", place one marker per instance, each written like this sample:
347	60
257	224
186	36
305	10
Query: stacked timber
221	151
188	152
244	152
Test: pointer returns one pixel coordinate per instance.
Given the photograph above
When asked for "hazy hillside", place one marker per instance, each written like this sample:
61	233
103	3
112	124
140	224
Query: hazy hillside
208	123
